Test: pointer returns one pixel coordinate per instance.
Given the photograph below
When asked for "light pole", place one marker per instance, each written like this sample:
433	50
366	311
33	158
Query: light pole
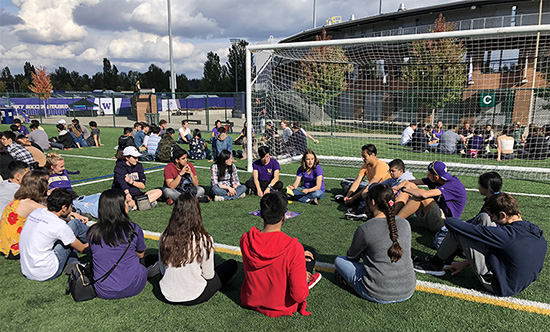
172	76
314	16
235	42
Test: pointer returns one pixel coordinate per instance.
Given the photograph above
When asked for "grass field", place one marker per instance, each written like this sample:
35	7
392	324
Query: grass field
29	305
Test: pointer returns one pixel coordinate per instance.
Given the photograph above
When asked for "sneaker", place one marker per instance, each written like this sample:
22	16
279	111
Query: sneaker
339	198
356	217
314	279
314	201
243	195
218	199
169	201
350	211
154	205
204	199
429	268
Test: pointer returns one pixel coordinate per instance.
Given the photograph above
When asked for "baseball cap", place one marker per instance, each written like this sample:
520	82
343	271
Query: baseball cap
440	169
131	151
62	121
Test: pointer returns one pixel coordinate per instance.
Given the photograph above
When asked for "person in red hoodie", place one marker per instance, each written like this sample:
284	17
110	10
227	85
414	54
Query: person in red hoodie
276	279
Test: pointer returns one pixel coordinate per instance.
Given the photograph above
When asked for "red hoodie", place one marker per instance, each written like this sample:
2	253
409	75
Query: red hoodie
274	273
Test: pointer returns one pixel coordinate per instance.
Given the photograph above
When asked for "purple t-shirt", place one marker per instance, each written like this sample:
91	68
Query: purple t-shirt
215	131
265	172
438	134
24	130
310	180
129	277
60	181
453	196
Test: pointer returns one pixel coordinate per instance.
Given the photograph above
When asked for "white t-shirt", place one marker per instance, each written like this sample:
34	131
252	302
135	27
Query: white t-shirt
42	229
185	132
407	135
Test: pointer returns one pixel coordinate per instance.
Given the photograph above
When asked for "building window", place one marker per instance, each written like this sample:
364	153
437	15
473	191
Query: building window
500	61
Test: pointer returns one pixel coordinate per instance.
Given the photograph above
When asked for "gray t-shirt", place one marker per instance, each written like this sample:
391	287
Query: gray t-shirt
447	142
7	190
384	280
40	137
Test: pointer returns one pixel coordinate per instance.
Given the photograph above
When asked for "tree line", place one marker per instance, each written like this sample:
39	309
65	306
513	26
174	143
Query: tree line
216	77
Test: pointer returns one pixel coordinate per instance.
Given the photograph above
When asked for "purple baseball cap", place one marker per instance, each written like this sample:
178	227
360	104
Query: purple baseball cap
440	169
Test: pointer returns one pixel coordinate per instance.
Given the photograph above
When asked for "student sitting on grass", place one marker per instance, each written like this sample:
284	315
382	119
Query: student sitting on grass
16	151
505	259
384	244
197	147
310	176
130	177
125	140
153	143
39	137
16	170
398	174
265	174
445	198
221	142
184	133
278	270
180	177
34	187
59	176
47	243
34	149
109	238
225	183
94	139
374	169
186	253
166	144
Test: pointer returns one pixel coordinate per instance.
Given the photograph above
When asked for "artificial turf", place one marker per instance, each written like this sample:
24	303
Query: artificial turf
43	306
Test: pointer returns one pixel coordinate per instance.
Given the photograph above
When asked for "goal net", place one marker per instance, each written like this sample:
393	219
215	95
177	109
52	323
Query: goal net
350	92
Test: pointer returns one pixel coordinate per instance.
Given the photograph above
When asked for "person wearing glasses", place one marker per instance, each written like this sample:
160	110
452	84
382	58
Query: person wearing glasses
445	197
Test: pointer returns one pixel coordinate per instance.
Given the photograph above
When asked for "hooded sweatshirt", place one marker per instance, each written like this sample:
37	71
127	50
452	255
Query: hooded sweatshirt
135	172
275	273
516	252
65	138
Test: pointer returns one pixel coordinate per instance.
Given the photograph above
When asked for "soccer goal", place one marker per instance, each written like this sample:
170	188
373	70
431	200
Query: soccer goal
349	92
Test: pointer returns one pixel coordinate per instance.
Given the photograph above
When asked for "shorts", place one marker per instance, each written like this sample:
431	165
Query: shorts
433	220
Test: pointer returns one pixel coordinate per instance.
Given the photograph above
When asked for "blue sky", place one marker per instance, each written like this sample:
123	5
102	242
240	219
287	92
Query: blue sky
78	34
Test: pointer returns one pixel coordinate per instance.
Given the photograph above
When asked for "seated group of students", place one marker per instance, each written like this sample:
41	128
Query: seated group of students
506	252
477	142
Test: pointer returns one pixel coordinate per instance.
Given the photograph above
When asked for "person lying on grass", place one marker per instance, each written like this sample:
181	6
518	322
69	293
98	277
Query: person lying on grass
310	176
187	257
505	259
374	169
130	177
278	270
47	242
265	174
445	198
386	274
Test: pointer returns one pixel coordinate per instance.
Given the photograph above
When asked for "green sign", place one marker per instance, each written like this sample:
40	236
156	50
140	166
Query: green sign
487	99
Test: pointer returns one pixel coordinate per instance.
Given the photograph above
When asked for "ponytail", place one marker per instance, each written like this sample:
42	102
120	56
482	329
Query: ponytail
384	199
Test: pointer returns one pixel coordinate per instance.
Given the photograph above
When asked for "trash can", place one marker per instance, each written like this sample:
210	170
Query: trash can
7	115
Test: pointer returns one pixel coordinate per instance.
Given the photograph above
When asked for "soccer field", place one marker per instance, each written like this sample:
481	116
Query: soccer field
447	303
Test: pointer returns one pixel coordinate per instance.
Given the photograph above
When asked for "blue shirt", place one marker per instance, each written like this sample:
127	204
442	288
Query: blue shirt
138	139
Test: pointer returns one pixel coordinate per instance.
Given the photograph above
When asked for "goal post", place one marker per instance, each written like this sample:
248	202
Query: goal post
350	92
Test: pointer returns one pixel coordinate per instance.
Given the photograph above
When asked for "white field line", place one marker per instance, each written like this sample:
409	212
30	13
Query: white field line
111	179
444	288
282	174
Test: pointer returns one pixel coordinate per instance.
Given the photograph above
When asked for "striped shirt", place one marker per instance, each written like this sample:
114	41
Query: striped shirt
153	144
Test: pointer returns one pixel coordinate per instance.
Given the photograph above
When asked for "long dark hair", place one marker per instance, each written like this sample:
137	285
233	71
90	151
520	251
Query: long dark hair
113	223
491	181
220	162
382	195
185	225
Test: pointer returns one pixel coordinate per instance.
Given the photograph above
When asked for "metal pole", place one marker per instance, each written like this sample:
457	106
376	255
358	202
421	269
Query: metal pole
248	64
380	8
172	77
315	15
113	108
235	43
535	60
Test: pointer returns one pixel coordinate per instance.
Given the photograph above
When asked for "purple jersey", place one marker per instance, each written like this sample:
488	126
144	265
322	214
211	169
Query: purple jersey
310	180
265	172
453	196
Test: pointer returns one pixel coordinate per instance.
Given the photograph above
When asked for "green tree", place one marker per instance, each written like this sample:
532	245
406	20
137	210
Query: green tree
213	74
436	72
323	72
237	60
3	87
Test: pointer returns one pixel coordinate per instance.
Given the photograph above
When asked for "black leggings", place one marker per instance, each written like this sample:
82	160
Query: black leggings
223	274
263	185
311	264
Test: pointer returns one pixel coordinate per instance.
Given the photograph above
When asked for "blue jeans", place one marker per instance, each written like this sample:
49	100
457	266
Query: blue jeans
188	137
67	254
305	198
353	273
216	190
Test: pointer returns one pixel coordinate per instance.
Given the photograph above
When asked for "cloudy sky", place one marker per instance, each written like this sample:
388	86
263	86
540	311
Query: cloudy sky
78	34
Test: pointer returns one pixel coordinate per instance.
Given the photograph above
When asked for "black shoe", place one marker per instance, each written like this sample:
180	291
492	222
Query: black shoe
429	268
339	279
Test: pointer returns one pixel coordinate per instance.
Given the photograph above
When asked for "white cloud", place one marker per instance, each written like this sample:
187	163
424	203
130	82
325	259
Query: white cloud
19	52
136	45
54	52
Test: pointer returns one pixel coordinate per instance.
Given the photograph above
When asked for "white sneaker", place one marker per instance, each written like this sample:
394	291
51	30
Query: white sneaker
243	195
218	199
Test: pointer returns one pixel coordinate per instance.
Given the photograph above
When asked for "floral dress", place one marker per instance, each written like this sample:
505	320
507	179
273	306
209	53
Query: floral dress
11	226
